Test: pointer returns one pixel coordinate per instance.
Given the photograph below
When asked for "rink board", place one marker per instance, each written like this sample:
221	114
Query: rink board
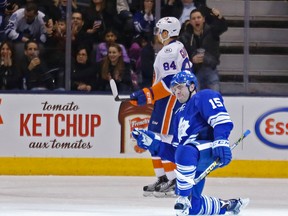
130	167
72	134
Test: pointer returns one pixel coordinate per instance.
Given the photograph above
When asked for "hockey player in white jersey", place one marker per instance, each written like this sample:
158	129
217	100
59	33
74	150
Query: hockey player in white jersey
171	59
202	129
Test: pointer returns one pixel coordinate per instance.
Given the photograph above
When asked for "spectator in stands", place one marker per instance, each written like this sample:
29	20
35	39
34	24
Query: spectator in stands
96	19
113	67
3	5
50	9
144	22
54	52
134	5
110	37
79	32
27	24
179	9
11	7
35	73
144	19
202	43
60	27
83	76
144	65
122	20
62	5
9	72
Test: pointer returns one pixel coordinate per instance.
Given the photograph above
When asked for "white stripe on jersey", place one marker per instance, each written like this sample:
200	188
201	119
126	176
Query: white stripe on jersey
219	118
191	140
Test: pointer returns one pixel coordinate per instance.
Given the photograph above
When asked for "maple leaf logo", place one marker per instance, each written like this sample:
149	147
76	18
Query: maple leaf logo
182	128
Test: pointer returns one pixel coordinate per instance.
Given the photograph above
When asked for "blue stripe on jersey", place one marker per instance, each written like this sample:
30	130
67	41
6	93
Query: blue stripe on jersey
158	114
187	65
167	80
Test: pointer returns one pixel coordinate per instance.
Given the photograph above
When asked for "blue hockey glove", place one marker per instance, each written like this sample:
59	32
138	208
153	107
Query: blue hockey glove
221	150
147	140
142	97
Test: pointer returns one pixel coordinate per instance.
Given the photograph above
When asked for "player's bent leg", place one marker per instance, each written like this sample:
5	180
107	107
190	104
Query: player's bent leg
214	206
186	158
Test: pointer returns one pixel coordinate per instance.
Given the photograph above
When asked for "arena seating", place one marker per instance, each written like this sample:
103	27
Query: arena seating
255	53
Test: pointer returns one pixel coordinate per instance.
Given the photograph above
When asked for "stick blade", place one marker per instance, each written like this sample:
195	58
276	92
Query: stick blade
122	99
115	93
113	87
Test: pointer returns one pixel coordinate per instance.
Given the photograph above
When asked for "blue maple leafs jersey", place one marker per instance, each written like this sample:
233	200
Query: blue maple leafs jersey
203	117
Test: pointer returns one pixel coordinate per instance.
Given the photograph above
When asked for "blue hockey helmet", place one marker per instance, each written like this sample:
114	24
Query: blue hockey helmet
184	77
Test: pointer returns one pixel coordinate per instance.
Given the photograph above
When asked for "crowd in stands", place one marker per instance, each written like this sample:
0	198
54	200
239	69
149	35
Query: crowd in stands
109	39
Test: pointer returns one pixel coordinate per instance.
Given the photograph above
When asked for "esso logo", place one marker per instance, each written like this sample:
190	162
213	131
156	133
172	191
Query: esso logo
272	128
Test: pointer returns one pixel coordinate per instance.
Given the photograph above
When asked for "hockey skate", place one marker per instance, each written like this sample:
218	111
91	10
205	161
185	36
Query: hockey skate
234	206
149	189
166	189
182	206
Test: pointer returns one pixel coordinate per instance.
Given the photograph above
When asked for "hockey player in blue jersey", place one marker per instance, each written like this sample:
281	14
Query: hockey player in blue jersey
201	131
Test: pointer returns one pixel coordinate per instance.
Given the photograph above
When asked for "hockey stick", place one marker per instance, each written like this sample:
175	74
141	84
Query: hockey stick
212	165
115	93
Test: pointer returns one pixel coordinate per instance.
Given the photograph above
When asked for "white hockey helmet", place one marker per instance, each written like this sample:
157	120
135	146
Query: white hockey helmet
170	24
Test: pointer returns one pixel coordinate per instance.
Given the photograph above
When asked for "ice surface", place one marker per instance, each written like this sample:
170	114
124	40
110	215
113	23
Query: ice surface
122	196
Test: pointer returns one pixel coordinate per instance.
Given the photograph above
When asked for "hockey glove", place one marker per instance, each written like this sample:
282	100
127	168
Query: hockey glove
221	150
142	97
147	140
